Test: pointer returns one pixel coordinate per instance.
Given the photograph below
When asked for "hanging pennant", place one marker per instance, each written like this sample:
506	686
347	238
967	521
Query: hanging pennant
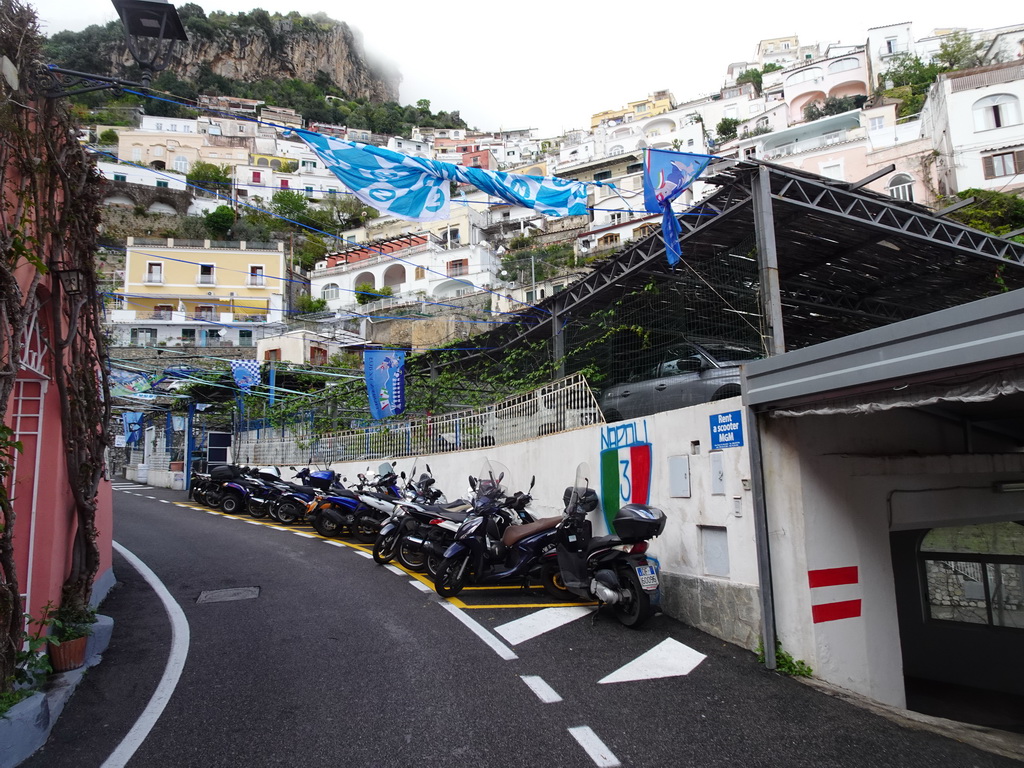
667	175
385	381
246	373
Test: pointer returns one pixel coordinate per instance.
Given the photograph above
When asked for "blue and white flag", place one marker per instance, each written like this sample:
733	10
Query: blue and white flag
667	175
132	427
385	381
246	373
417	189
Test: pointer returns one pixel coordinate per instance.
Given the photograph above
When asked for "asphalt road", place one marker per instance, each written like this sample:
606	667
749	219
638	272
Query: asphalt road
339	661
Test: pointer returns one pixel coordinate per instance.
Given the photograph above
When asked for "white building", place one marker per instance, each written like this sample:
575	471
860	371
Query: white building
974	118
417	268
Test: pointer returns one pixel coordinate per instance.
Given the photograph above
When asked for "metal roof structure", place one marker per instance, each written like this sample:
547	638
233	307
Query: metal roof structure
799	258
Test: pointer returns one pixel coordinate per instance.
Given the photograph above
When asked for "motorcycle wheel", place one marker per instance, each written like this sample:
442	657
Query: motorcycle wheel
198	496
231	503
452	575
326	527
637	609
213	499
257	510
365	529
551	580
288	512
384	548
412	559
433	564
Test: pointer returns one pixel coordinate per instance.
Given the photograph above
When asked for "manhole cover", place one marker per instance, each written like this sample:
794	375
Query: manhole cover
226	595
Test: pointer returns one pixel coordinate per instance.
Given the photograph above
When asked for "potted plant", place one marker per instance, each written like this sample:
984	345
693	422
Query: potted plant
70	628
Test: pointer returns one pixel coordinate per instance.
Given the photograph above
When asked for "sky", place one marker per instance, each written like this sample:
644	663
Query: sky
551	65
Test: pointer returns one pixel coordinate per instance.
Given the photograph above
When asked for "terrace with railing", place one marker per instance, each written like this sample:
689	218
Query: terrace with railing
563	405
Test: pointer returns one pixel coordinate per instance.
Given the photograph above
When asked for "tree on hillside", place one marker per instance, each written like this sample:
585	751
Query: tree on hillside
219	221
726	128
210	177
993	212
959	51
833	105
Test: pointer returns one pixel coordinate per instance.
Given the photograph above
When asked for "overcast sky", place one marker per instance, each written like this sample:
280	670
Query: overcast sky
550	65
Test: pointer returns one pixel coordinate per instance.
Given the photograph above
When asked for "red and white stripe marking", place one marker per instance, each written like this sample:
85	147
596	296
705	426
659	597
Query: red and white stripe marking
834	583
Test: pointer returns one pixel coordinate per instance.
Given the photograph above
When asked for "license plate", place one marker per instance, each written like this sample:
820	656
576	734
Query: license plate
648	576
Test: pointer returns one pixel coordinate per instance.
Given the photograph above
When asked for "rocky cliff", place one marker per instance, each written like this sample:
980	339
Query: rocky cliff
279	48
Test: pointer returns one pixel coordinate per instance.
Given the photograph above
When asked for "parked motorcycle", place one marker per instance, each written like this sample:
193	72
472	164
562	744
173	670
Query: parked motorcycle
488	548
419	530
613	569
378	498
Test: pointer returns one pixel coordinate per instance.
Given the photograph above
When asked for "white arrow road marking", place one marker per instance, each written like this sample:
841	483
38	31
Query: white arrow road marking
544	620
669	658
599	753
544	691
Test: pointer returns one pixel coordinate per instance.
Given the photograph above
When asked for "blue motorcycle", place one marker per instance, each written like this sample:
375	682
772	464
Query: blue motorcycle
489	548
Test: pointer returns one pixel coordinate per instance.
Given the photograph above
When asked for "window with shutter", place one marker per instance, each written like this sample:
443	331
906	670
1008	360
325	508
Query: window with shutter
986	164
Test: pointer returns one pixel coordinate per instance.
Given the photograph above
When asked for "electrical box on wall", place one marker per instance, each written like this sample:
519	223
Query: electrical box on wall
679	477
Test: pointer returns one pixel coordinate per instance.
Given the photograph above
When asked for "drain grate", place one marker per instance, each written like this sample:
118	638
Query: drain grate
227	595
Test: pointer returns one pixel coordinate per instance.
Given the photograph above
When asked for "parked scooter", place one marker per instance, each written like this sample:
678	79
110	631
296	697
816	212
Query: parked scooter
614	569
378	498
488	548
418	525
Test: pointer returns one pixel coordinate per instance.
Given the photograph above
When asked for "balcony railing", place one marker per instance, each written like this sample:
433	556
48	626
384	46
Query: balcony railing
154	278
256	281
809	145
206	280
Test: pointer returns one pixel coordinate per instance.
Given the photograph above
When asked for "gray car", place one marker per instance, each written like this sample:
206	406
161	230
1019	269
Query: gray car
688	374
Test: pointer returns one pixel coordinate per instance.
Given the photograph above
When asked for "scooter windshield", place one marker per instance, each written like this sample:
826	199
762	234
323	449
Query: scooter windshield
580	485
494	480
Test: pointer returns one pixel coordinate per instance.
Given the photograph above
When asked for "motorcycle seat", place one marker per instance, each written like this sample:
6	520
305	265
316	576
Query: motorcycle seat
600	542
345	493
516	533
308	490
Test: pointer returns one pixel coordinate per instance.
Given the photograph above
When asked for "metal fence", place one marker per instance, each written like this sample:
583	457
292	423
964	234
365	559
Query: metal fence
561	406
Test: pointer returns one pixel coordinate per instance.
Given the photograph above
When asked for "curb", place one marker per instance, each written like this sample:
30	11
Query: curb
27	725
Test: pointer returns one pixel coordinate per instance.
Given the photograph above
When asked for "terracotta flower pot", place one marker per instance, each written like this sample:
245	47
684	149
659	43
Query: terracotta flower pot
69	655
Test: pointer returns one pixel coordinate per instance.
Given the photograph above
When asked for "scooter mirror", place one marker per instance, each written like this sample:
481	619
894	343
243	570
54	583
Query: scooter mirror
533	479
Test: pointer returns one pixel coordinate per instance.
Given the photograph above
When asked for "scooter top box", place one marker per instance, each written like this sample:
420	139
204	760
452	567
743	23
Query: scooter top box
225	472
638	522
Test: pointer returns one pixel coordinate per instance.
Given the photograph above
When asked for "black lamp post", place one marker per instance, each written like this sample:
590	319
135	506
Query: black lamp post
151	28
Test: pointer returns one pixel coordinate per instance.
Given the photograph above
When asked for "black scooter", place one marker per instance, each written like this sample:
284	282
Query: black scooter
614	569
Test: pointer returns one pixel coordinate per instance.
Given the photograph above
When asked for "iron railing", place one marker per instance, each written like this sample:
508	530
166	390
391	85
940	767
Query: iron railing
561	406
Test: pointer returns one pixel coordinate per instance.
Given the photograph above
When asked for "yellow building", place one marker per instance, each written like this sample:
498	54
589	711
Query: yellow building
654	104
185	293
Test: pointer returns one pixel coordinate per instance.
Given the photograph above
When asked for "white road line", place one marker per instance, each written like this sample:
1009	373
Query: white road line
544	691
362	554
599	753
395	569
253	522
539	622
164	501
669	658
495	644
304	535
151	497
420	585
172	672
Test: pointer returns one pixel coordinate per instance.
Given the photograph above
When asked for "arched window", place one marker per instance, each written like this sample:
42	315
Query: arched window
842	65
330	291
996	111
181	164
901	186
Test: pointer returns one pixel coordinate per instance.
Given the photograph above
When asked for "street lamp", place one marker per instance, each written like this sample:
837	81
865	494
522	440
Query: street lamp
70	280
151	28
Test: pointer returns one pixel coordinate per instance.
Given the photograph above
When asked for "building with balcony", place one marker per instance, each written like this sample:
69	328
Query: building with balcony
308	347
182	293
839	76
974	118
417	268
